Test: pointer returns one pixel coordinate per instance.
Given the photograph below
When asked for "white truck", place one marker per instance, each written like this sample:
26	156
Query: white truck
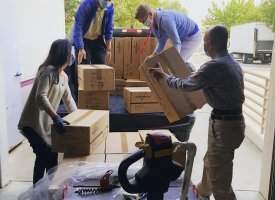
251	41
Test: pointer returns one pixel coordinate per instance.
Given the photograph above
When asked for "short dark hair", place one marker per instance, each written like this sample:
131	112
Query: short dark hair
218	36
142	11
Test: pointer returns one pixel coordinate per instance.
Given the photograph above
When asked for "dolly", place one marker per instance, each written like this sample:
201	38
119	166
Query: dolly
158	167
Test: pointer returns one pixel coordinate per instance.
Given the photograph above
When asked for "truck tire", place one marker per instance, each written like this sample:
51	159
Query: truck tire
266	59
247	58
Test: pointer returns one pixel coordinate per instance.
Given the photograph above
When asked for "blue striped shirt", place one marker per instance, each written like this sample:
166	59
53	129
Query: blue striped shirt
221	80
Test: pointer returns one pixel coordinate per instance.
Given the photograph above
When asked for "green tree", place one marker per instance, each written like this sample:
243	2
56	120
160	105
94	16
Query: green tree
267	10
70	9
233	13
124	11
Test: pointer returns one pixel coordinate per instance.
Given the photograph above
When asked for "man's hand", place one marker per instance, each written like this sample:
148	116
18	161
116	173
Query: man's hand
81	55
108	57
58	123
152	55
157	72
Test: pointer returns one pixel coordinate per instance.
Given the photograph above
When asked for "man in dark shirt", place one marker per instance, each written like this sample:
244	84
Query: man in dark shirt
221	80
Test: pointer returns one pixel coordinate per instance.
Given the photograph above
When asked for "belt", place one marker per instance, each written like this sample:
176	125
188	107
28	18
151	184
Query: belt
226	117
235	111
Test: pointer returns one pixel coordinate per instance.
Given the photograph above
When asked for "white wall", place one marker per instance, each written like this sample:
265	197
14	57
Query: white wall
39	22
8	61
27	30
269	136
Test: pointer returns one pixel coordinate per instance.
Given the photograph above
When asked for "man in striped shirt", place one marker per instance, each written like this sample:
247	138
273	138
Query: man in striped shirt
222	83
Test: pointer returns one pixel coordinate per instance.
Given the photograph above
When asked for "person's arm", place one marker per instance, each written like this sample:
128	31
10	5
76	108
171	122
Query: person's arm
43	102
81	16
108	51
160	46
197	80
41	98
172	32
109	24
67	97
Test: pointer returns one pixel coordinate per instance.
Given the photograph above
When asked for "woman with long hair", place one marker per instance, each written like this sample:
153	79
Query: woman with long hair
50	87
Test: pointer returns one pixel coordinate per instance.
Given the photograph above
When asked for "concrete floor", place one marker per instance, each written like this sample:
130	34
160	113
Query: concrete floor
247	164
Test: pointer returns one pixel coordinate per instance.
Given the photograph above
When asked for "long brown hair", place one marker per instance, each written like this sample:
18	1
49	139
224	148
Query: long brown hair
59	53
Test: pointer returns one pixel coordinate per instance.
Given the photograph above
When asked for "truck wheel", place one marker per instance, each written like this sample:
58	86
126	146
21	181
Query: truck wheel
244	59
266	59
247	58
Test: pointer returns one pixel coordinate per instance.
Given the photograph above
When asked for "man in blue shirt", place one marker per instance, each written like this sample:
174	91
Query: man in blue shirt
91	35
221	80
183	32
93	31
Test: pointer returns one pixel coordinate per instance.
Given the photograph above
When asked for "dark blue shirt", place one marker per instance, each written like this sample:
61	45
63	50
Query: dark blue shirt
83	18
221	80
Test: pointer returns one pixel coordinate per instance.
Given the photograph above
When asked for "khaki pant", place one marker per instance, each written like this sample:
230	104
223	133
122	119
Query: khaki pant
224	136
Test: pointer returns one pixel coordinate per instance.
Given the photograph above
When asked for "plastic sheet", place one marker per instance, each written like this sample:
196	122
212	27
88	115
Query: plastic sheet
75	174
40	189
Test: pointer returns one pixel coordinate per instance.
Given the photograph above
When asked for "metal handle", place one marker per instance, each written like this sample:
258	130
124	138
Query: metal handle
18	74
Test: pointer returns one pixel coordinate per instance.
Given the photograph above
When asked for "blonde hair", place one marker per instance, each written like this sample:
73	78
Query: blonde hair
142	11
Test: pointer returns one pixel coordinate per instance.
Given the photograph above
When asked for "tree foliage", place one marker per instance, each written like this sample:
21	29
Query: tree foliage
233	13
267	10
124	10
70	9
240	11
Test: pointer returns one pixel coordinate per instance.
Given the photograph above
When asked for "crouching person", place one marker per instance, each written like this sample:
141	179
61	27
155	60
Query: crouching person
50	87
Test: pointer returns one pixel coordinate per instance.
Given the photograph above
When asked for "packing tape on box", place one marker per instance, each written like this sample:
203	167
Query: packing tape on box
82	117
124	143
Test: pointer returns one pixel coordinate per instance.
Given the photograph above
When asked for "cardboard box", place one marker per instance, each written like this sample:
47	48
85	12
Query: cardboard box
119	86
122	142
140	100
136	108
138	95
148	48
176	104
65	172
135	83
118	57
96	77
131	68
95	100
85	126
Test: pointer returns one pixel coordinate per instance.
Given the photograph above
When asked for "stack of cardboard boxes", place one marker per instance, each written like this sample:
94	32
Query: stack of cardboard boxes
128	54
94	84
126	59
